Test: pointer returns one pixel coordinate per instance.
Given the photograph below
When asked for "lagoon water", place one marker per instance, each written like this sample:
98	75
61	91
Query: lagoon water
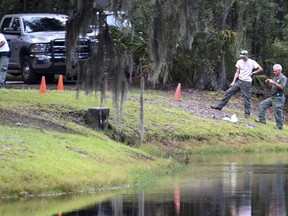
224	185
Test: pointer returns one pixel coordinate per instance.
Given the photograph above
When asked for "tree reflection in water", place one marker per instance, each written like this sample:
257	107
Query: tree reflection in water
231	189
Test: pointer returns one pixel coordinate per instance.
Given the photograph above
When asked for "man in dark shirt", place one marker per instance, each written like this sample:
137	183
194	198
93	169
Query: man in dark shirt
277	98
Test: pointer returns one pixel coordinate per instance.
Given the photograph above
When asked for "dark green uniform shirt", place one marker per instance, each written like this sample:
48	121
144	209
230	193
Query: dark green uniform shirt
282	81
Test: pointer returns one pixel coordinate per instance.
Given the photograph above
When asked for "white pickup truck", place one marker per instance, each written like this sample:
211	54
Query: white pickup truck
37	45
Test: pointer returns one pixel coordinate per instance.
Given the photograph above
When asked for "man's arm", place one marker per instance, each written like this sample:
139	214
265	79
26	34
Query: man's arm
278	85
258	70
235	76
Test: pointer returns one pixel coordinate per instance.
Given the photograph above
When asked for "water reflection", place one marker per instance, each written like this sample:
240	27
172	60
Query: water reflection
211	185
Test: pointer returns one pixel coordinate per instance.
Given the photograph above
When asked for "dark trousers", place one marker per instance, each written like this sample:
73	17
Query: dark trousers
277	103
245	88
3	69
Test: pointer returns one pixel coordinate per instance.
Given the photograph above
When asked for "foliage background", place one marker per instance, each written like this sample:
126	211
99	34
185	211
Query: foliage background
193	42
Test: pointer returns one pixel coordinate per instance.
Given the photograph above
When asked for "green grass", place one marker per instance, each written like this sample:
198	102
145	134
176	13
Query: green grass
35	160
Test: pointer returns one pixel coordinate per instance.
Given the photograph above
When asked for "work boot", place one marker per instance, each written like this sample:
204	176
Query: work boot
216	107
246	115
260	121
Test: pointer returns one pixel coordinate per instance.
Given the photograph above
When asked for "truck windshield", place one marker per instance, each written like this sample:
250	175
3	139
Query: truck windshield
39	24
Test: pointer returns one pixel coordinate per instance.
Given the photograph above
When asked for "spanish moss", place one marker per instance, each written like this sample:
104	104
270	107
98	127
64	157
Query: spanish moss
106	61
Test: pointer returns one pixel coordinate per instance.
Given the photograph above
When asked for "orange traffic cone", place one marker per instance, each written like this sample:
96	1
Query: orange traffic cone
42	89
177	94
60	86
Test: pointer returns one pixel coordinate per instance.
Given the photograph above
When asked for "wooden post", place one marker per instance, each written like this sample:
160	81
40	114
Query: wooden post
97	117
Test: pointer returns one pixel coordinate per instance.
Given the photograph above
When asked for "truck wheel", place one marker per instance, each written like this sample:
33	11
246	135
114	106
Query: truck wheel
49	78
28	74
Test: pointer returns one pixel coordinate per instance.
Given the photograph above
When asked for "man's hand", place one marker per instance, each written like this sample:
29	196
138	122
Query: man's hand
270	81
2	43
232	83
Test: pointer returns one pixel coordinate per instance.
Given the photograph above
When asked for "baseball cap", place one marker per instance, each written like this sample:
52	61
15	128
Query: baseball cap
243	53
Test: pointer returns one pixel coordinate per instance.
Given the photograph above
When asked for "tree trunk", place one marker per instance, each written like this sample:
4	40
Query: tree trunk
97	118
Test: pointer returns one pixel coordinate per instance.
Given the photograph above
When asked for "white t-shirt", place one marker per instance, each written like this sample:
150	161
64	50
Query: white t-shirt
246	68
5	47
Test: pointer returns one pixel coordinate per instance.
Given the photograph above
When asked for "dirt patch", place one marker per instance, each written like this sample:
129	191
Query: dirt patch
39	119
199	102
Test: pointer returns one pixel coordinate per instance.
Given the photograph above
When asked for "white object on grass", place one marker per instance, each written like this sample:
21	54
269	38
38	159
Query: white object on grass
233	118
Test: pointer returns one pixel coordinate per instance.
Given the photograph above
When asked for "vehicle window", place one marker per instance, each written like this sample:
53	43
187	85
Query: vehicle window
6	23
16	24
37	24
117	20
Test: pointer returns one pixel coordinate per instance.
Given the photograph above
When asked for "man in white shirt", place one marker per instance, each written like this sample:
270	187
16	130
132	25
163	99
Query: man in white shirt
242	81
4	60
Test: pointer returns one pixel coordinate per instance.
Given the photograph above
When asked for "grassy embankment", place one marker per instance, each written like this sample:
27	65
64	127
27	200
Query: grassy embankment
41	158
44	153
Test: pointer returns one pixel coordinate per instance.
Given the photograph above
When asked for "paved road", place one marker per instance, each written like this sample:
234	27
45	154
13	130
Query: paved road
68	85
